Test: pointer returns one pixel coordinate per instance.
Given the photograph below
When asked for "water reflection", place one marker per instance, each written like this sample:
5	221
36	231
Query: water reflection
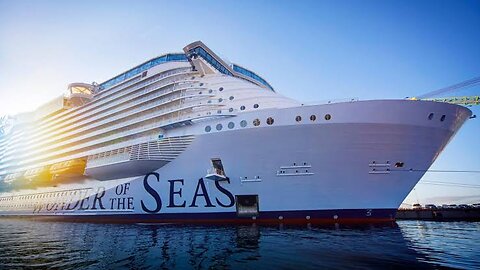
450	244
140	246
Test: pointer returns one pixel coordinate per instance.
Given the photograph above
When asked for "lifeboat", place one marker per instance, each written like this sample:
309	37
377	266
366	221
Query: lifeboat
73	167
41	174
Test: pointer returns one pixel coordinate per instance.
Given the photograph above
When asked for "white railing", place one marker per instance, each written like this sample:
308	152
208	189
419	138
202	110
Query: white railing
95	146
64	134
37	136
114	95
163	120
125	97
115	158
332	101
138	119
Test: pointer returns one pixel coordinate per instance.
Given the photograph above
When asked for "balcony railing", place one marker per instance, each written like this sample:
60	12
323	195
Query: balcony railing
163	120
109	98
127	139
64	134
119	119
40	136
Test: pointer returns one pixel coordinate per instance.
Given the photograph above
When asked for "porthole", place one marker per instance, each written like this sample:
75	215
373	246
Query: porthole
255	106
220	99
231	97
230	110
231	125
270	120
219	127
242	108
199	93
220	89
430	116
210	91
442	118
243	123
313	117
328	117
256	122
201	84
209	101
298	118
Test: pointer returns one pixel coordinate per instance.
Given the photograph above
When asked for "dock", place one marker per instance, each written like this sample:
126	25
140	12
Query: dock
469	214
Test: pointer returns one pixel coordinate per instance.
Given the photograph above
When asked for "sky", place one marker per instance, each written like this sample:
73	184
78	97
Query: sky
307	50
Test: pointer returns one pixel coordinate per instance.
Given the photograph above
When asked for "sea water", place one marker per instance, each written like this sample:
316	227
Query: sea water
404	244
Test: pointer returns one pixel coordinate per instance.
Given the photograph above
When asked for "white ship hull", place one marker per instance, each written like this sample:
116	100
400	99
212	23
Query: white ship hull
357	166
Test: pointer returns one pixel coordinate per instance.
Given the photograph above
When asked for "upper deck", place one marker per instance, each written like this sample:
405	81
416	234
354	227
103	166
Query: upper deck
137	106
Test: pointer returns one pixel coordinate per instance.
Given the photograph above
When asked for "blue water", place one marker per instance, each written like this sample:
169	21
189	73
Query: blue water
406	244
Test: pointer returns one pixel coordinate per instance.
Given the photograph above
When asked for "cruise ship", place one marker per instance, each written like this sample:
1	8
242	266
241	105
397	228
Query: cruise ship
191	137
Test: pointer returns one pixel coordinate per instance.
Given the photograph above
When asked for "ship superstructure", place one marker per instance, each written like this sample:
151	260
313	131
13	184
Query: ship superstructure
192	123
125	120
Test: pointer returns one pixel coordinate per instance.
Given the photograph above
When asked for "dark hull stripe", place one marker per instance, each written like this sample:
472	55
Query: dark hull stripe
314	216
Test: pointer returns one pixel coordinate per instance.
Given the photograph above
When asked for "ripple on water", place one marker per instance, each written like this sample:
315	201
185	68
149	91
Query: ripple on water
34	244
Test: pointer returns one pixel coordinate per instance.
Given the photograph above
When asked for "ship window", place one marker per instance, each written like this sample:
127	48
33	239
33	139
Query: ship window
313	117
220	89
208	128
210	91
219	111
255	106
220	99
399	165
219	127
230	110
250	74
231	98
298	118
201	84
256	122
231	125
144	74
328	117
209	101
243	123
270	120
442	118
242	108
430	116
193	78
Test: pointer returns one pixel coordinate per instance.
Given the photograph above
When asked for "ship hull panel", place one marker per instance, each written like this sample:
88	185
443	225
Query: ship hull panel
346	170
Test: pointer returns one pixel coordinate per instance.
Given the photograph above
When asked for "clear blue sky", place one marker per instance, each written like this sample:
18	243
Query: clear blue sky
308	50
